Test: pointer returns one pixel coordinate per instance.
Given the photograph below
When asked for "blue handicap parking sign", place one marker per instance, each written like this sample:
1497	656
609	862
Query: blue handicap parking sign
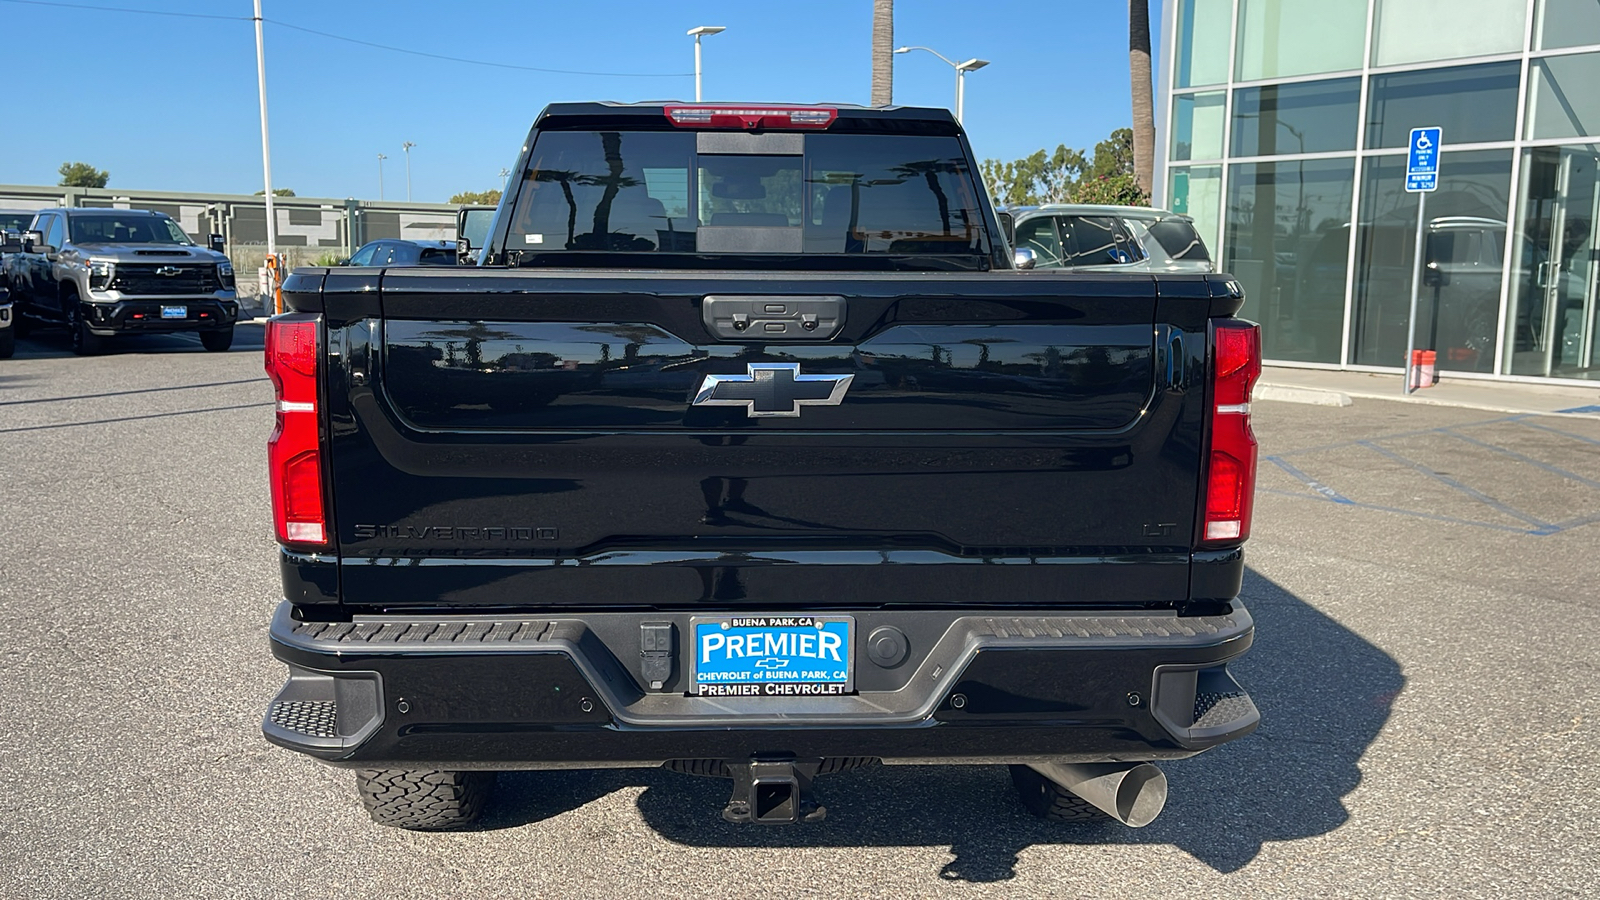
1422	163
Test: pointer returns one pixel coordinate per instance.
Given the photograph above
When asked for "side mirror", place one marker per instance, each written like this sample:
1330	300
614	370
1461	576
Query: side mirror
1023	258
463	250
1008	224
33	241
217	242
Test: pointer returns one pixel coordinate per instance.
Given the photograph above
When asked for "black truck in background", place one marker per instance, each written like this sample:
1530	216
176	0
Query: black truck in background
749	450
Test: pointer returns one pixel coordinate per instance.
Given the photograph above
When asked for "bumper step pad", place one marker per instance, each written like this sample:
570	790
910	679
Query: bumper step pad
314	718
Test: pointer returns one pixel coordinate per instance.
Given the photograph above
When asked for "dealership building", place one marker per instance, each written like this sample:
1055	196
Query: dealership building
1286	126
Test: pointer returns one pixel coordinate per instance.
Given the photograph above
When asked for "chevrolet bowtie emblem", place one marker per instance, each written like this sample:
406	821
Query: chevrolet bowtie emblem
772	389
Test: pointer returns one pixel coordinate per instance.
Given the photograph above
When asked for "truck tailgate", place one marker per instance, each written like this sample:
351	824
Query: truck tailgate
518	439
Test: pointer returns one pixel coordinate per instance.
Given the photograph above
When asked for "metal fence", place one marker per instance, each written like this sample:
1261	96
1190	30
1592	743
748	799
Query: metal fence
309	228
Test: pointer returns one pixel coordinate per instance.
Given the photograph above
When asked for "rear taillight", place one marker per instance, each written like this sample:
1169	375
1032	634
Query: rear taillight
294	452
749	118
1231	461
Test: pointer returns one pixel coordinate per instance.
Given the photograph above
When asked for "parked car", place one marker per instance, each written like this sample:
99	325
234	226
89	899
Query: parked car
10	242
472	230
107	272
1129	238
860	489
397	252
16	220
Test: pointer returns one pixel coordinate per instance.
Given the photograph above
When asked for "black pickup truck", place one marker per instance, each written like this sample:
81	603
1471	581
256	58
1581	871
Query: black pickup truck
750	450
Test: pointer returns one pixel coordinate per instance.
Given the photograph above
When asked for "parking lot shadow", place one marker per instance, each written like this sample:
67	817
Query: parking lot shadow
52	343
1324	693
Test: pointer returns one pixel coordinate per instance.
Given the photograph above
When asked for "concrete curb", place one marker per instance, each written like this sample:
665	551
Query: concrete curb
1464	404
1286	393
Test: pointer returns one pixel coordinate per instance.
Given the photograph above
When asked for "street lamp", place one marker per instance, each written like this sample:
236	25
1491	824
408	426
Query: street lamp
381	158
971	65
407	148
505	179
696	33
266	147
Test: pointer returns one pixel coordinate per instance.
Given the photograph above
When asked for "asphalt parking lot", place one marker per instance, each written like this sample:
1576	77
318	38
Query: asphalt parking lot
1423	580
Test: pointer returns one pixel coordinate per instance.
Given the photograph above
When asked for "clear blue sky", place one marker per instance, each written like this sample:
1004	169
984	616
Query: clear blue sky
168	103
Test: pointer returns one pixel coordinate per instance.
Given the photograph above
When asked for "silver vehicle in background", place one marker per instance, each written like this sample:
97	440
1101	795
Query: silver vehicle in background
101	273
1128	238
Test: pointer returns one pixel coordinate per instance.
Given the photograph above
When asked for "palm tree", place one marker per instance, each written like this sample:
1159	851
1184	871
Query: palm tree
882	52
1144	120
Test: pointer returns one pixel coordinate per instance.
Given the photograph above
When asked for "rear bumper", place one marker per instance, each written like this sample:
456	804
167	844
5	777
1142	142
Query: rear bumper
509	692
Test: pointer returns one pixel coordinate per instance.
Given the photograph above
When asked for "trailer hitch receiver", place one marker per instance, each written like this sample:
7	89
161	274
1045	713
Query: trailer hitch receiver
773	793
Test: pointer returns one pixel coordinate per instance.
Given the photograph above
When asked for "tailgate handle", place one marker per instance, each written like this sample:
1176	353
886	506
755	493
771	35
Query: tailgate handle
743	318
1170	340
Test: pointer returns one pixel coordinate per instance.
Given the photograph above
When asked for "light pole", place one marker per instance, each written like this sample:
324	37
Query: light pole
266	147
381	158
971	65
505	179
696	33
407	148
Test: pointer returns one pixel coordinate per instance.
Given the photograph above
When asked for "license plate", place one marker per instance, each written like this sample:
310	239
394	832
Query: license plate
174	312
773	656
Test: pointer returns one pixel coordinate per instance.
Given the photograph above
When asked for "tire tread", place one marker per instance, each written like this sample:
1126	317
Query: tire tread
423	799
1048	800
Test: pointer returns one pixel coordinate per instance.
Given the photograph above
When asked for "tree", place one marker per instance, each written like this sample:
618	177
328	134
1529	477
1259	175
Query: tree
1114	155
277	192
77	174
477	198
1069	176
1121	189
882	52
1040	178
1144	116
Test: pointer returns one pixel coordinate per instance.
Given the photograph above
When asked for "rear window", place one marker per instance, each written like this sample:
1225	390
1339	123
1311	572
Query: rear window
1179	239
654	192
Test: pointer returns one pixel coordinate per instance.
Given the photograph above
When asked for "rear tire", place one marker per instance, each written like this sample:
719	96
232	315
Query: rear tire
84	341
217	341
1048	800
423	799
8	342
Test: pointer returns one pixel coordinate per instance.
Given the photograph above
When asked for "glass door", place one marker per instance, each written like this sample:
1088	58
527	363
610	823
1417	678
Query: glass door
1551	330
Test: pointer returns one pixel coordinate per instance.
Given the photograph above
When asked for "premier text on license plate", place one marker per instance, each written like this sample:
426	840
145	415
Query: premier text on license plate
773	656
174	312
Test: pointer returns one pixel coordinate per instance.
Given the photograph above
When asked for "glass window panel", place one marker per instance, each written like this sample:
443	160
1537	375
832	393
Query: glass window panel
1562	102
1566	23
1196	192
1553	327
1408	31
1288	244
1458	304
1304	117
1471	103
1039	235
1197	126
1280	38
1203	42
